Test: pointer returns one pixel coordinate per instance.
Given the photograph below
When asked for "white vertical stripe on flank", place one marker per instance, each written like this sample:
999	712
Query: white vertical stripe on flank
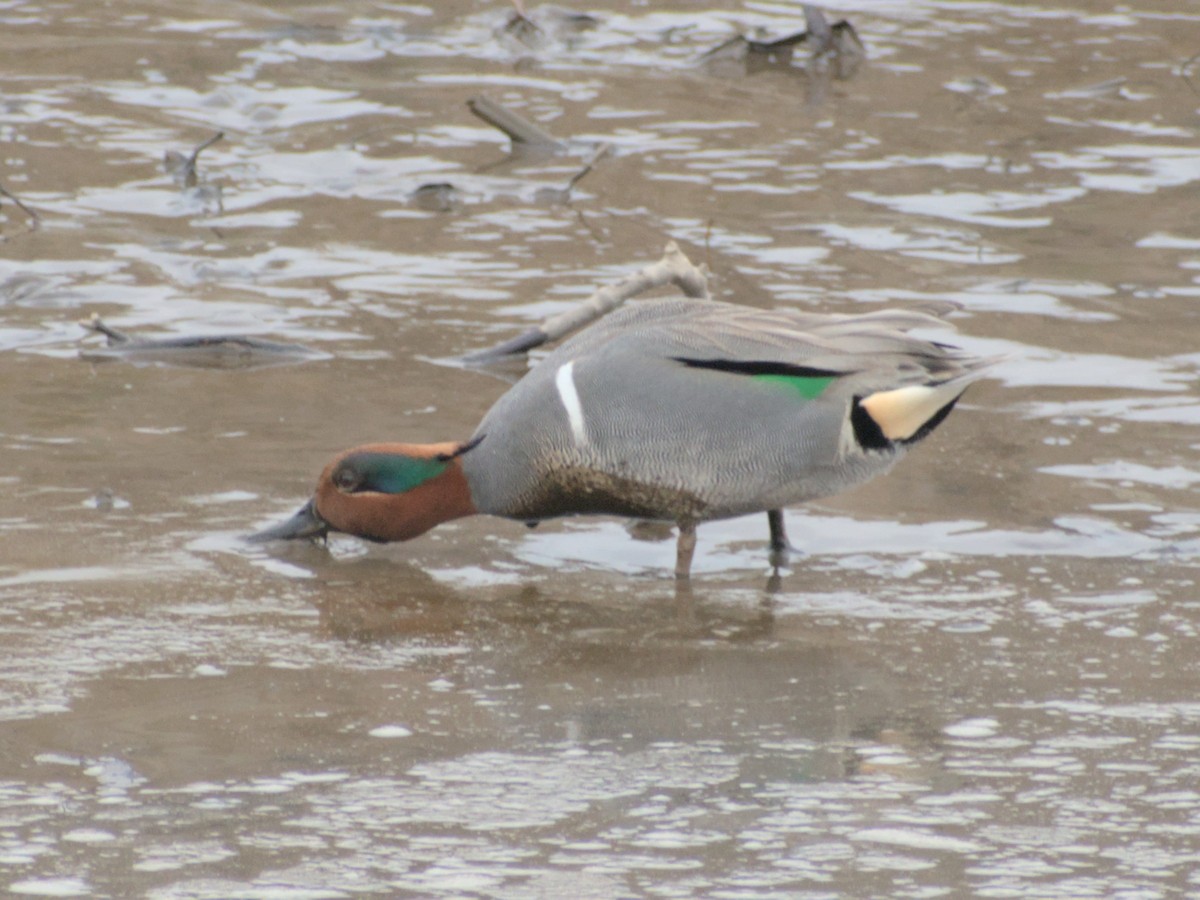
565	382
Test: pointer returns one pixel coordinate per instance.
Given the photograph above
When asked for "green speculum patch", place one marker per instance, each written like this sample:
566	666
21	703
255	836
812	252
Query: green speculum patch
807	386
808	382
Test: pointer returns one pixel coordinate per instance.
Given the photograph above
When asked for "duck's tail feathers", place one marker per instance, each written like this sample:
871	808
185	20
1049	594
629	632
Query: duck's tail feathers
907	414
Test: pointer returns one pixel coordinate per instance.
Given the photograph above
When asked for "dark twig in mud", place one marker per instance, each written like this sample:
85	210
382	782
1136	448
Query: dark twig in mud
98	325
600	153
674	268
34	219
1186	74
520	130
184	168
563	195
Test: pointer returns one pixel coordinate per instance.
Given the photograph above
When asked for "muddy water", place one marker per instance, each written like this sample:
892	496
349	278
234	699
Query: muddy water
979	679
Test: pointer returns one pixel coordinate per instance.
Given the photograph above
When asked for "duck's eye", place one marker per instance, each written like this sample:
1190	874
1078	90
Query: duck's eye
345	479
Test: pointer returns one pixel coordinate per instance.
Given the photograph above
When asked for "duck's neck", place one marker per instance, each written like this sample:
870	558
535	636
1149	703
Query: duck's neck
442	498
454	484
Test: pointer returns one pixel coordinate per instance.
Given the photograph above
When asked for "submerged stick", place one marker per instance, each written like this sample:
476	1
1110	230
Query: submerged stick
563	195
820	35
98	325
184	168
674	268
216	351
1185	72
34	218
600	153
520	130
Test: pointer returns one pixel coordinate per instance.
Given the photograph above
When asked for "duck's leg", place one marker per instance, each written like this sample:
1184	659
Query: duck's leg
685	549
779	541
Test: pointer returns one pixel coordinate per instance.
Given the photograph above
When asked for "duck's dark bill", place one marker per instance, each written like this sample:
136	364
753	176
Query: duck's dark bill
304	524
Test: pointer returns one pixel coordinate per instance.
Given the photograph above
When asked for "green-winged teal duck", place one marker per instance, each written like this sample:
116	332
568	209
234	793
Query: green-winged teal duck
678	410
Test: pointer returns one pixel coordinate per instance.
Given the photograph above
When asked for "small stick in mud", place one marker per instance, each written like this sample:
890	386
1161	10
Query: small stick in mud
522	132
820	35
600	153
674	268
183	168
563	195
34	219
1185	72
98	325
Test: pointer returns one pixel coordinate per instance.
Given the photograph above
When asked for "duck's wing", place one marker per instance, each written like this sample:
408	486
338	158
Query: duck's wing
896	386
860	352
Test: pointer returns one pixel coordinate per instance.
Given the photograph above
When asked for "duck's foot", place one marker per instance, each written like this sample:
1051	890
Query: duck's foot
779	557
780	549
774	583
685	549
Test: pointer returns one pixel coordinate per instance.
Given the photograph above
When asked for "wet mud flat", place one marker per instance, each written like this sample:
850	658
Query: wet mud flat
979	679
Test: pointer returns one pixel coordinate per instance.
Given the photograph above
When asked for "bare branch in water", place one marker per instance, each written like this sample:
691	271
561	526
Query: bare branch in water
184	168
214	351
34	219
563	195
98	325
600	153
820	35
520	130
1185	72
674	268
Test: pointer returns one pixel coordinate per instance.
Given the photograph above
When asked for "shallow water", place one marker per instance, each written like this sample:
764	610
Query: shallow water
980	678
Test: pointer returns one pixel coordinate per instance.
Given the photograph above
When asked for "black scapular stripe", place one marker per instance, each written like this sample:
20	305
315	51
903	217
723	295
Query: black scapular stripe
758	367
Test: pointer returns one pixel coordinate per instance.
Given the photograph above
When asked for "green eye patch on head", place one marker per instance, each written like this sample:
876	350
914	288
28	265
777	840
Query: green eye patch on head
384	473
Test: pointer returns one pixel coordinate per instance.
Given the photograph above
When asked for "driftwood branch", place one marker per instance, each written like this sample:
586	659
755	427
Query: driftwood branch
674	268
520	130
